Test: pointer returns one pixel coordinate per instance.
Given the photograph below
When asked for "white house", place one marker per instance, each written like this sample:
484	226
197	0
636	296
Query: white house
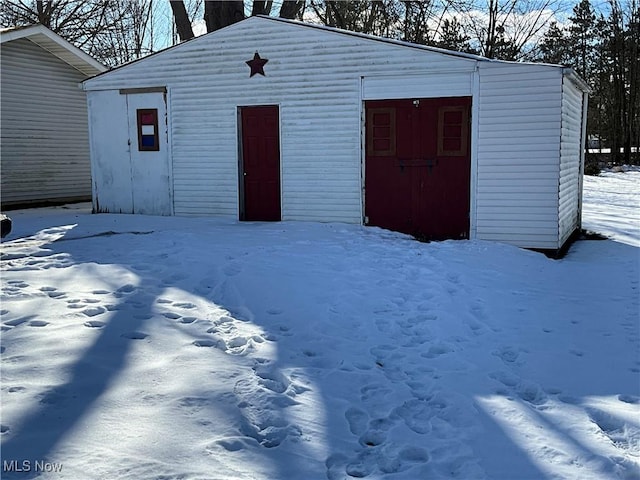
44	134
271	119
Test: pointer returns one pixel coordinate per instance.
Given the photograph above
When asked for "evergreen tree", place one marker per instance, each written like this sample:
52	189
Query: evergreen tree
453	37
583	34
554	47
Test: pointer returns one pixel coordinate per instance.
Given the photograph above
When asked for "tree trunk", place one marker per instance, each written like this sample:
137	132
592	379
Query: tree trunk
44	13
291	8
261	7
183	24
218	15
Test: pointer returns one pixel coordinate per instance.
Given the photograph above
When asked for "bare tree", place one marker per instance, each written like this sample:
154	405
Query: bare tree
219	14
510	29
112	31
129	38
374	17
222	13
78	21
181	18
292	9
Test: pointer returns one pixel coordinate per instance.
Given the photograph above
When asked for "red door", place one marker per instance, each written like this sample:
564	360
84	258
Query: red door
260	166
417	166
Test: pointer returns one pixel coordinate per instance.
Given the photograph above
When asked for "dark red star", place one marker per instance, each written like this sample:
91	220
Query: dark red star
256	65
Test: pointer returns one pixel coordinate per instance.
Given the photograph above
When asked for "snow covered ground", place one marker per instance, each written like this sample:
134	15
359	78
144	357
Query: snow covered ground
612	205
169	348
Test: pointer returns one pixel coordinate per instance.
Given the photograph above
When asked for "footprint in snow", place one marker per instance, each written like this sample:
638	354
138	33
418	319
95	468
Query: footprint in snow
268	430
233	444
414	454
185	305
506	378
38	323
374	392
336	466
52	292
357	420
437	350
633	399
17	321
531	392
271	379
164	300
509	355
208	343
569	399
128	288
4	429
622	434
373	438
135	335
100	292
3	312
93	311
417	415
187	320
172	315
553	391
94	324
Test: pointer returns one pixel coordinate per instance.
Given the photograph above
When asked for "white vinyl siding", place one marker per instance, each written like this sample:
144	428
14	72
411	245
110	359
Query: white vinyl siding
317	86
570	160
518	148
430	85
319	79
45	142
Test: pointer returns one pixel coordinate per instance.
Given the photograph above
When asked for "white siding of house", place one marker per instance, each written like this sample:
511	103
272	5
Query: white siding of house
571	146
45	145
430	85
518	145
316	79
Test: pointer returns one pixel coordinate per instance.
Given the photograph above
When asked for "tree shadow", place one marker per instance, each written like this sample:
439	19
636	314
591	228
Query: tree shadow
61	408
260	404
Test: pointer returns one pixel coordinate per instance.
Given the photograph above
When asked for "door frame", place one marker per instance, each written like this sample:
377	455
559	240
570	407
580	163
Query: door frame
473	92
472	134
241	193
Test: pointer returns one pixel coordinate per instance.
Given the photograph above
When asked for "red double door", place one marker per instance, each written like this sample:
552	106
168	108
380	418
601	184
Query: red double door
417	170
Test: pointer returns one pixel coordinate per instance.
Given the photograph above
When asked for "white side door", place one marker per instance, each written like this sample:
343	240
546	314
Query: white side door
148	146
